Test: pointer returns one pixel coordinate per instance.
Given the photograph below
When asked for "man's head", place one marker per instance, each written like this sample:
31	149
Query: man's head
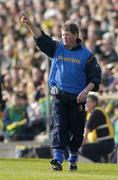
70	34
91	102
20	99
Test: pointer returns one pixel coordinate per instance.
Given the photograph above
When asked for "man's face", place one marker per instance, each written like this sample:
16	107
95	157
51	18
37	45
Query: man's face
20	102
90	104
68	38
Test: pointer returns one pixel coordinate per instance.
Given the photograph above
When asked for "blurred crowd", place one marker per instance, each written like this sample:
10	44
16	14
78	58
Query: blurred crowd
24	69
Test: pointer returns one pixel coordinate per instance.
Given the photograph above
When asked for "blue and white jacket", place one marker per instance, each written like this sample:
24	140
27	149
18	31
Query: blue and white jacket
71	70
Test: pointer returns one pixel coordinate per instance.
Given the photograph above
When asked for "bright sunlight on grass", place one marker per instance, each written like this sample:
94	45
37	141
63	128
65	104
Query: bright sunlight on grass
39	169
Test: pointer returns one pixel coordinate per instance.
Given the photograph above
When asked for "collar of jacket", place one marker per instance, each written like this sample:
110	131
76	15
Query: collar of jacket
79	46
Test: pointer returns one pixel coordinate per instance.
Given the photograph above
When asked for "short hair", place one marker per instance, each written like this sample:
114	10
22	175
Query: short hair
94	99
71	27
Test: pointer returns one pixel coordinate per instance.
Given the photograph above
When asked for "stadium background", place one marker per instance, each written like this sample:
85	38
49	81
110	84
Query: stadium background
25	69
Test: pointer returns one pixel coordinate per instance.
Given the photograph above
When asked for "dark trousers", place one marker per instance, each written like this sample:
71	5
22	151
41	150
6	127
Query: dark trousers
95	151
68	119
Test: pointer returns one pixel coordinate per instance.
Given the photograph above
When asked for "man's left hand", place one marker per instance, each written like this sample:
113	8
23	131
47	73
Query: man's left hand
81	98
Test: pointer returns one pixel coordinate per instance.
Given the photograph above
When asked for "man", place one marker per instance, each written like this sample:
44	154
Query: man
15	121
98	139
74	72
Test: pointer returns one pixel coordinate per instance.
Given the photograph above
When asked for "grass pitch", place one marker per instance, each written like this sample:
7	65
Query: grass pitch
39	169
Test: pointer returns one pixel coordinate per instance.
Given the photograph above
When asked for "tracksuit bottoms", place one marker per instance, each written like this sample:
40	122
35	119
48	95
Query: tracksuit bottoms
68	121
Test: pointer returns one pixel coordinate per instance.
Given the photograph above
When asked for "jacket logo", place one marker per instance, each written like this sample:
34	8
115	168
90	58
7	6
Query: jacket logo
68	59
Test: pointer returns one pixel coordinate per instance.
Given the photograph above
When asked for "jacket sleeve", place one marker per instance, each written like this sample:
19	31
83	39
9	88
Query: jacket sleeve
93	72
46	44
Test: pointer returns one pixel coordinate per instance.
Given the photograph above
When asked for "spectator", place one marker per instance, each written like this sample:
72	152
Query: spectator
36	113
115	123
99	138
115	126
15	120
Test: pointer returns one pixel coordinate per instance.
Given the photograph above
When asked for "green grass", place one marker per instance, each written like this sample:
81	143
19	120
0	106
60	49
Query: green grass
39	169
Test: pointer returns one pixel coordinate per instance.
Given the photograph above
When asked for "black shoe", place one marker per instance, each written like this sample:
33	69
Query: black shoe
72	166
56	166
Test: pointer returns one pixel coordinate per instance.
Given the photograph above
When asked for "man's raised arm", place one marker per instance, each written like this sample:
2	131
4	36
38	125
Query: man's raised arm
33	29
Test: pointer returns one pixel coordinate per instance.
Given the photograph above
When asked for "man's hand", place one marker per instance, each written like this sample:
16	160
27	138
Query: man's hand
24	19
81	98
33	29
86	132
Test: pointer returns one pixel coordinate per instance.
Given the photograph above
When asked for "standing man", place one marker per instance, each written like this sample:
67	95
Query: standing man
74	72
